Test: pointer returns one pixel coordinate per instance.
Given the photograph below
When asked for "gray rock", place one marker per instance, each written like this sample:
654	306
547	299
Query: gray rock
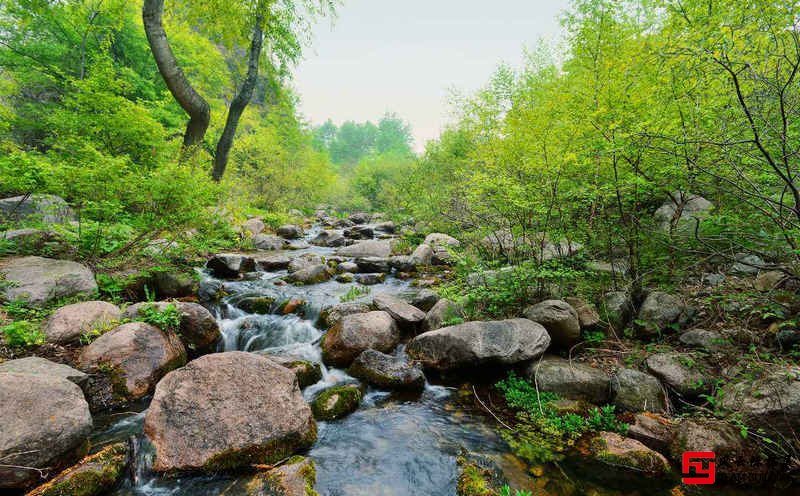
403	263
660	312
273	263
616	310
304	261
174	284
560	320
683	373
254	226
385	371
707	340
373	264
425	300
653	430
69	323
587	313
227	411
312	275
369	248
443	311
769	280
359	232
329	238
386	227
406	316
681	209
331	315
635	391
771	401
424	254
49	209
350	267
473	344
43	367
439	239
46	422
210	290
747	265
230	265
713	280
370	279
37	281
353	334
572	380
359	218
289	231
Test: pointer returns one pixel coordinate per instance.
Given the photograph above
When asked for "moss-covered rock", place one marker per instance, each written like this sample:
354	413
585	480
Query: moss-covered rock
337	402
257	304
297	477
478	476
624	453
94	475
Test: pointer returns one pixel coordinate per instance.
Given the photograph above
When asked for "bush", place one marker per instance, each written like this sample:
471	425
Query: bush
22	334
168	319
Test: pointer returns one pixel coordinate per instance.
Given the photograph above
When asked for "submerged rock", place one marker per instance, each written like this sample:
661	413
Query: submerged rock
227	411
45	424
95	475
355	333
38	281
336	402
569	379
386	371
472	344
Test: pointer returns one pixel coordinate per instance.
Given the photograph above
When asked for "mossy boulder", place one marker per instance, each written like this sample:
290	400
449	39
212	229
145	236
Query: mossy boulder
94	475
261	305
337	402
622	453
296	477
386	371
478	476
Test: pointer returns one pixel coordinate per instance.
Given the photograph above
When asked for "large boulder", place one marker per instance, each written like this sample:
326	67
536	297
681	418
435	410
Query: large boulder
681	209
227	411
407	316
37	281
289	231
660	312
355	333
199	330
369	248
635	391
45	424
683	373
307	372
504	342
442	312
230	265
770	401
337	402
43	367
95	475
560	320
69	323
386	371
618	452
49	209
569	379
134	357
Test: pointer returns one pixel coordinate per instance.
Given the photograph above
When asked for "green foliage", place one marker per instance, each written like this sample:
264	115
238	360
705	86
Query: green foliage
168	318
22	334
506	491
543	434
354	293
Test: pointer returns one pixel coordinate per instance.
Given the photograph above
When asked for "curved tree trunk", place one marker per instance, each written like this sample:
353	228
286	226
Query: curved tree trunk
239	102
195	105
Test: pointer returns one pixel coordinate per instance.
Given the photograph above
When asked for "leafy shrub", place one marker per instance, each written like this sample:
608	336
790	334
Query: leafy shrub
22	334
168	319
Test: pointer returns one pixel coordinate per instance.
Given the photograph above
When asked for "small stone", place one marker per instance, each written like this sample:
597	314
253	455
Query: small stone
336	402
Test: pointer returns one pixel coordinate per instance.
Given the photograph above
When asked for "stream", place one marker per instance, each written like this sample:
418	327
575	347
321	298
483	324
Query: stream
394	445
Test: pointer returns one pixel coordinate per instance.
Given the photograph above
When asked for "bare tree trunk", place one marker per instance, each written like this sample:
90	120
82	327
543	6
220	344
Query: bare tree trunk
239	102
190	100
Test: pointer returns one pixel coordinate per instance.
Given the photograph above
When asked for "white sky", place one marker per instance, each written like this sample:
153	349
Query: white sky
407	56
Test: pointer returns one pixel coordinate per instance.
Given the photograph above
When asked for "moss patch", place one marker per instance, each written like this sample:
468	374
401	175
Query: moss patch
336	402
94	475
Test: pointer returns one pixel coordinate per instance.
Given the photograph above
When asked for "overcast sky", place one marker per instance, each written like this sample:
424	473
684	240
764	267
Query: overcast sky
406	56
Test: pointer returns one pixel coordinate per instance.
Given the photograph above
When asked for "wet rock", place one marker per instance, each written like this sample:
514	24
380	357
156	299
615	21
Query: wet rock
403	263
314	274
443	313
337	402
45	424
69	323
661	312
359	218
425	300
296	477
210	290
262	305
38	281
681	210
588	318
703	339
747	265
616	310
347	267
478	476
295	305
269	242
653	430
345	278
619	452
95	475
174	284
329	238
373	264
682	373
635	391
424	254
769	280
355	333
254	226
370	279
43	367
770	401
560	320
227	411
289	231
307	372
472	344
332	314
370	248
439	239
134	356
572	380
304	261
407	316
359	232
386	371
230	265
49	209
386	227
199	330
273	263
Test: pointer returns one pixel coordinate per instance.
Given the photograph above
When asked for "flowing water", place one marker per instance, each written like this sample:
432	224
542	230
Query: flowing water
392	446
